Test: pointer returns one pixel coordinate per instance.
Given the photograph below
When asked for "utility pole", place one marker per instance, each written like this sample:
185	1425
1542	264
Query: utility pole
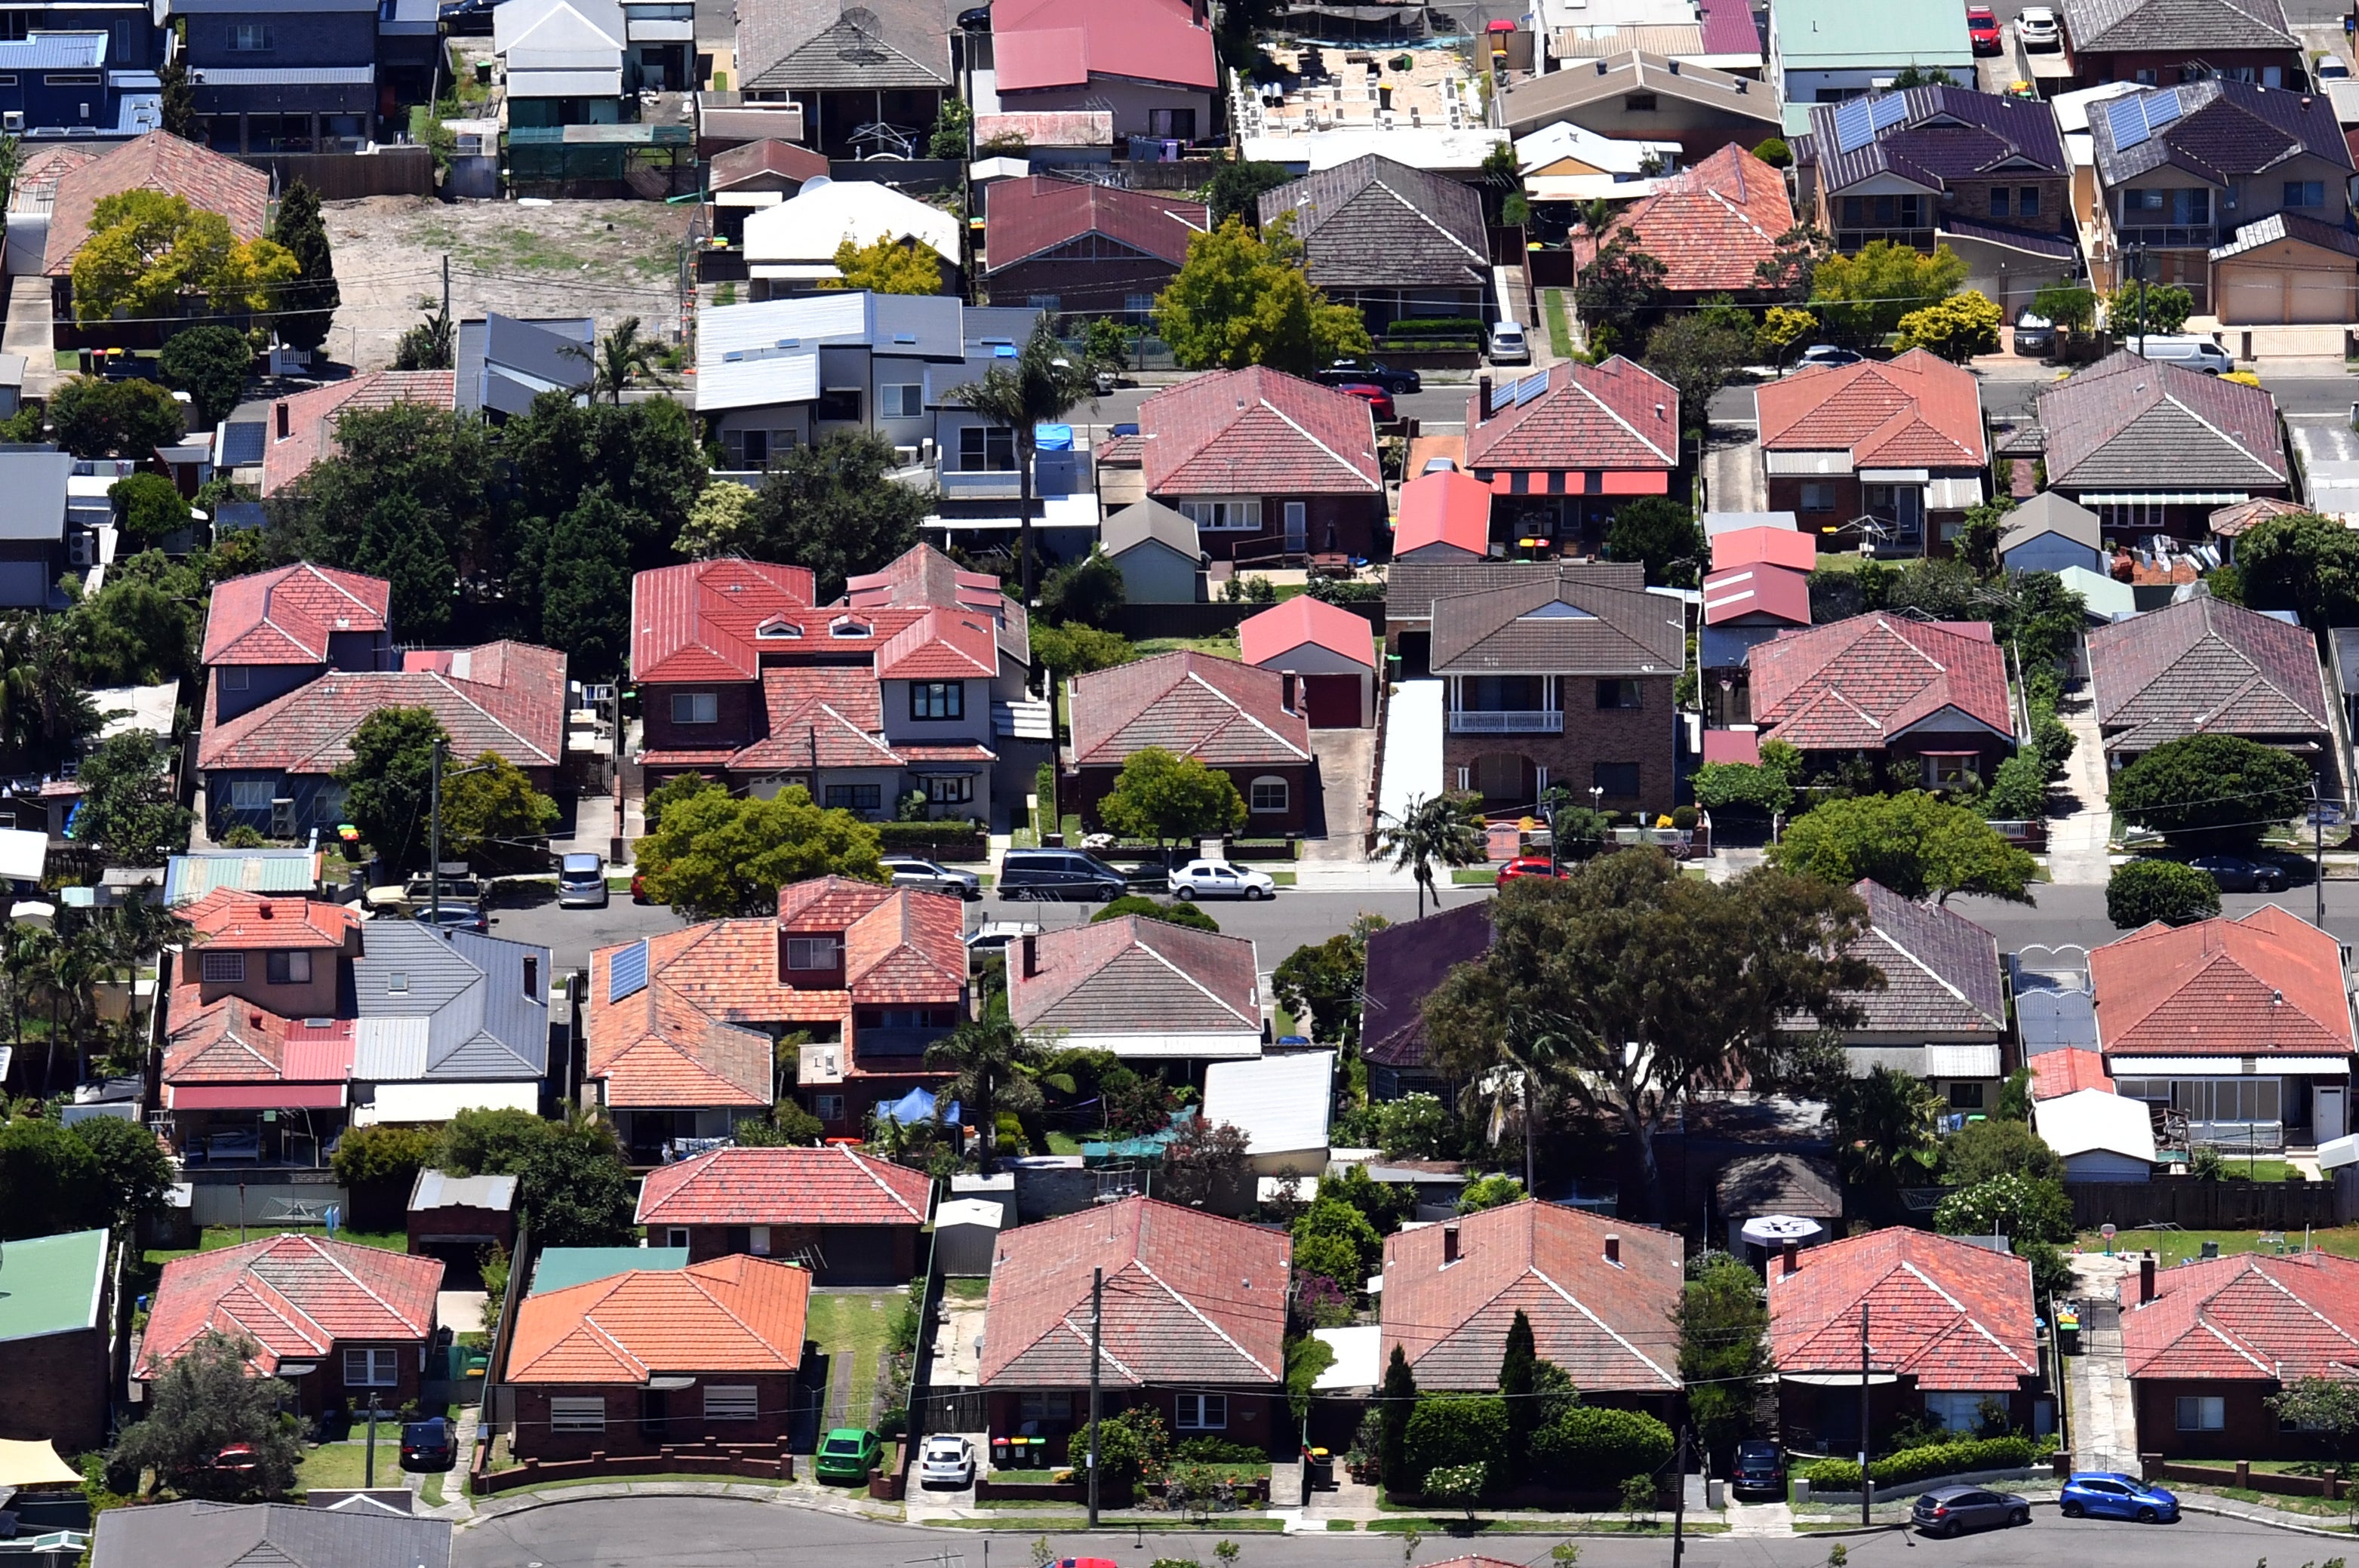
1680	1499
368	1471
446	285
434	840
1097	1328
2318	852
1866	1488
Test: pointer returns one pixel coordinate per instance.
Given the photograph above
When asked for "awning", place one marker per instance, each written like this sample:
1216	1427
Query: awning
1953	495
1961	1061
2226	1066
441	1102
2163	498
29	1462
255	1096
1895	475
1578	482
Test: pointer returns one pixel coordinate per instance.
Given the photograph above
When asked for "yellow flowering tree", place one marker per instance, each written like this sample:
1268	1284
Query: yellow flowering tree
153	255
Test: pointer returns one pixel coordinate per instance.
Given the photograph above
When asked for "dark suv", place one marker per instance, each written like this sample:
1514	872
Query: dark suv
1058	874
1346	371
430	1444
1759	1467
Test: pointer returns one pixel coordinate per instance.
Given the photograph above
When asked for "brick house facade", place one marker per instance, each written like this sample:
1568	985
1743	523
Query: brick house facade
625	1420
1927	694
2207	1343
1267	466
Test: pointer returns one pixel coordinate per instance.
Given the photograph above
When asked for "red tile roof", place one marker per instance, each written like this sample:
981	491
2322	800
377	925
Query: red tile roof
1062	43
1859	683
698	622
732	1315
1756	589
230	919
941	644
287	615
1946	1312
1257	432
2266	984
1189	1298
1710	225
1607	1323
1221	713
233	1041
157	161
832	1186
1304	621
1617	415
1135	975
2249	1317
504	697
1448	507
1915	411
2068	1071
309	418
296	1297
924	575
769	158
1025	217
1788	548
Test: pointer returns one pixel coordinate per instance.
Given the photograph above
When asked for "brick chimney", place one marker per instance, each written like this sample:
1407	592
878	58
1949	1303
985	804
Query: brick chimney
1286	692
1614	1250
286	425
2146	1279
1789	1257
1030	956
1481	400
1448	1244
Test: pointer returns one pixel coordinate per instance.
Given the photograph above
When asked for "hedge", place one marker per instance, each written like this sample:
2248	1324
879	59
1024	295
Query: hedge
1587	1445
1924	1463
1435	327
1449	1429
955	841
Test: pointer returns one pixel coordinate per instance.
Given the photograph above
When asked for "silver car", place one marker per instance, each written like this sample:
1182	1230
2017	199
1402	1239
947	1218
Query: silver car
926	877
1219	879
947	1460
581	882
2036	28
1949	1510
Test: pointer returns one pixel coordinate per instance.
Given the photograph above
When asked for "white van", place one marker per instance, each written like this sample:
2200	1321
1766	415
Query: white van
2193	353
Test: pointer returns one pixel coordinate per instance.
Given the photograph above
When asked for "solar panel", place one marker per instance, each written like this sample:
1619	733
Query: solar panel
2161	108
2127	119
1530	388
1853	130
626	971
1887	111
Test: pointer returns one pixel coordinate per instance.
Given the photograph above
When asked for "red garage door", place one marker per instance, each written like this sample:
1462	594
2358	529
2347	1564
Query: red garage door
1331	702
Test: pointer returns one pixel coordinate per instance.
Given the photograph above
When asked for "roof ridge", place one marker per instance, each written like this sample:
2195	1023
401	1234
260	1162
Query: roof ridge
1146	1268
1296	425
1166	960
1582	1308
1572	378
882	1185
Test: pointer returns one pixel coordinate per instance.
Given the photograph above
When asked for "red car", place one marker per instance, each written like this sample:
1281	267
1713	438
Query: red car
1375	397
1529	866
1982	27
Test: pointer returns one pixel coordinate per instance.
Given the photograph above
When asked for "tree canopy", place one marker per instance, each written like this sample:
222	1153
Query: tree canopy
1664	535
152	256
1866	294
1243	298
1917	844
128	815
307	306
94	418
492	816
1956	329
573	1184
1170	799
1723	1328
204	1401
2301	562
2143	891
2213	790
887	266
715	855
830	506
1699	355
210	364
389	781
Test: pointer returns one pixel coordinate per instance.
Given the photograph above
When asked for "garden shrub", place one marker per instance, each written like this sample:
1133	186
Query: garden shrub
1449	1429
1923	1463
1586	1445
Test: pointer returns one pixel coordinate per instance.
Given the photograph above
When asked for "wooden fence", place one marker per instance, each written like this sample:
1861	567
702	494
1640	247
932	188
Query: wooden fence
347	176
2202	1206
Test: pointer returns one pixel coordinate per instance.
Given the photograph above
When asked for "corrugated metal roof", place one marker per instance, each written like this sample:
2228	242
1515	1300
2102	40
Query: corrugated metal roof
389	1048
54	52
188	877
1279	1102
440	1189
283	75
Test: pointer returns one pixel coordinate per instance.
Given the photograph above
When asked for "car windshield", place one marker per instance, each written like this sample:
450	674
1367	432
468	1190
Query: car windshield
843	1445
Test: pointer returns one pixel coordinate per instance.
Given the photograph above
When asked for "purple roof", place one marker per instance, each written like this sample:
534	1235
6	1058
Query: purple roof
1405	964
1947	133
1728	28
2224	130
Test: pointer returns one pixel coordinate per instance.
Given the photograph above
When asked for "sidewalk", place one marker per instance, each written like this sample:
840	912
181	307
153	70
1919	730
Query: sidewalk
2078	843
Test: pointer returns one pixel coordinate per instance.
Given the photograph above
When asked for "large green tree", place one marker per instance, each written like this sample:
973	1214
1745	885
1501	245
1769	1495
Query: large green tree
833	508
211	364
142	626
128	815
585	586
2301	562
152	256
388	782
1699	355
1915	844
1865	295
573	1183
1321	983
1243	298
998	1067
645	455
1664	535
1619	291
1170	799
1723	1331
2213	790
2142	891
1886	1125
206	1400
1997	1146
147	508
134	1176
1235	189
715	855
492	816
307	306
95	417
45	710
50	1178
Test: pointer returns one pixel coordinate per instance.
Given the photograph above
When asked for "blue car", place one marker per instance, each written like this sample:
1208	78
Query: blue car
2108	1494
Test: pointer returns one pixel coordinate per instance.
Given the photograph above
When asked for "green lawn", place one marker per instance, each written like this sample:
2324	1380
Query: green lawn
215	1237
2173	1247
854	1331
1224	644
1474	877
335	1465
976	1290
1559	330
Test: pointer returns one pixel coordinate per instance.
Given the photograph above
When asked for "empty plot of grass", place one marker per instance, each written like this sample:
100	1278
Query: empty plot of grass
854	1331
1559	330
2172	1246
335	1466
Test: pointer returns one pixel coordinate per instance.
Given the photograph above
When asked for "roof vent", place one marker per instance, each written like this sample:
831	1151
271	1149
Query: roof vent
1601	68
2277	998
1675	68
267	912
1740	86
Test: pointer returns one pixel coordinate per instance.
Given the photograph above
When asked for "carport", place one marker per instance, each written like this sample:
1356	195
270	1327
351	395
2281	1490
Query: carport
2286	270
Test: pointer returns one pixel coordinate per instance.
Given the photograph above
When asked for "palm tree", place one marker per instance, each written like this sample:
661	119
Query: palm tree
1887	1124
999	1068
44	707
1440	827
1042	388
619	359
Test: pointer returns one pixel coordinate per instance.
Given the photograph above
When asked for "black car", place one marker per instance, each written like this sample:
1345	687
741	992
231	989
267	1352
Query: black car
1348	371
1058	874
2238	874
430	1444
1759	1467
1951	1511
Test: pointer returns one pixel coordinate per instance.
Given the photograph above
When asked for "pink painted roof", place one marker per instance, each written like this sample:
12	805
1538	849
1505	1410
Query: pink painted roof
1040	44
1282	628
1258	433
832	1186
1731	745
1947	1312
697	622
1038	214
1857	683
1617	415
1915	411
1756	589
285	616
2248	1317
1447	507
1779	547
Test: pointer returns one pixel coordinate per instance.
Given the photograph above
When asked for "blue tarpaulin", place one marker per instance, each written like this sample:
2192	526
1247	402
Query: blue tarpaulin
1053	438
917	1105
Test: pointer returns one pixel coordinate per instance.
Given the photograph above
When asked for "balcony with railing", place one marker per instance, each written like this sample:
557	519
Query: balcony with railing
1506	720
2169	237
1851	240
980	484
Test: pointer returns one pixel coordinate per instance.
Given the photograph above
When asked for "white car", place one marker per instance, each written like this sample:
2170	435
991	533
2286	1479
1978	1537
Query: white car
927	876
2037	28
1219	879
1509	344
947	1460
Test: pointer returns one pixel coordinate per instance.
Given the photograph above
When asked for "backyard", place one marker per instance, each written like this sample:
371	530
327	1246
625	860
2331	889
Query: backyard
2175	1247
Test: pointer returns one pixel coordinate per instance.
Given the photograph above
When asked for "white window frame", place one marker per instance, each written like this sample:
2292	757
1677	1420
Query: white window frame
252	794
2201	1412
731	1402
1225	513
224	969
1201	1412
814	952
687	707
827	1108
675	1235
1268	795
577	1413
947	790
378	1368
289	966
250	38
901	400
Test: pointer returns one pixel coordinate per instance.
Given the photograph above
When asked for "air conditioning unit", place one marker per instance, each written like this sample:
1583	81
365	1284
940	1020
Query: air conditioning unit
81	548
12	121
282	817
906	456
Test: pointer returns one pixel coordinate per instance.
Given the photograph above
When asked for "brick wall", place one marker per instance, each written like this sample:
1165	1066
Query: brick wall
1094	783
2248	1429
736	707
442	1225
625	1434
57	1389
1644	736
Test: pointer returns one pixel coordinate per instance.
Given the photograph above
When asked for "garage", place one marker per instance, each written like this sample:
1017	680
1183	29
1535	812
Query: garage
2286	270
1325	656
1331	702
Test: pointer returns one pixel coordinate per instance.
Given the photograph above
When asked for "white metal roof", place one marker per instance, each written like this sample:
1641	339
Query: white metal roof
440	1189
821	217
1279	1102
2089	1121
22	854
1358	1357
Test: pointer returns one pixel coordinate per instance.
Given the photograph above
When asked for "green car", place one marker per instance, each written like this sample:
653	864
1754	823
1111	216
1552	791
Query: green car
848	1454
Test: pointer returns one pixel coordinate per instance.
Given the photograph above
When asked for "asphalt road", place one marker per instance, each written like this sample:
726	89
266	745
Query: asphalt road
713	1532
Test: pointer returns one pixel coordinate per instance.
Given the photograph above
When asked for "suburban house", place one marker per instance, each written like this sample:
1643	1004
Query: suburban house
2051	532
1406	963
1326	650
2207	1343
1563	448
1783	1184
871	78
1156	550
1710	225
1986	175
1149	62
1597	1291
1564	679
83	69
2165	42
1716	33
847	1217
41	539
446	1021
505	362
1196	1327
339	1322
267	79
2153	447
1565	162
301	429
2235	192
757	174
1395	242
1445	516
1266	466
1146	990
2100	1135
271	632
226	1535
1941	1011
791	247
1952	1329
57	1340
1074	247
2237	1030
1413	589
564	61
1248	723
2206	667
1642	96
157	161
1825	51
1889	452
654	1359
682	1027
1745	606
1931	696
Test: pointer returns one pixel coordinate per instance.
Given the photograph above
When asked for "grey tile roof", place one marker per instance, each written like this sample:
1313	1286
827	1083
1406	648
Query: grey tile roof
266	1535
880	44
1941	969
1780	1183
2050	513
1372	223
1412	587
469	994
2127	423
2187	27
1565	627
1944	134
2203	666
1143	521
2224	130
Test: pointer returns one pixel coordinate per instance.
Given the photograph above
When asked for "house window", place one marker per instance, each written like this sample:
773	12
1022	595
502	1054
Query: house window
695	707
1202	1412
938	699
827	1108
675	1235
1637	103
2305	193
1947	772
730	1402
1044	1408
1053	304
71	79
854	797
1617	694
250	794
290	968
1270	793
327	805
225	968
2201	1412
758	1240
2026	202
903	401
986	449
235	677
249	37
838	405
2147	76
1132	304
814	952
1955	1409
755	449
1817	496
1618	780
1965	1096
1998	201
372	1369
951	790
1884	212
1232	513
574	1412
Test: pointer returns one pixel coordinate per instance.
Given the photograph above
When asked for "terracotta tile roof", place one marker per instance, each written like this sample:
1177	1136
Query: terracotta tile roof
751	161
1063	43
831	1186
1915	411
1374	223
819	715
310	417
732	1314
1303	621
2066	1072
233	1041
1137	976
229	917
1608	1325
1617	415
1948	1313
2204	667
157	161
503	697
1941	969
907	950
2127	423
2249	1317
1257	432
924	576
2232	522
1190	1298
1406	963
285	616
1221	713
294	1296
1711	224
1860	683
1448	507
2262	985
828	903
1026	217
700	622
1567	624
1788	548
941	644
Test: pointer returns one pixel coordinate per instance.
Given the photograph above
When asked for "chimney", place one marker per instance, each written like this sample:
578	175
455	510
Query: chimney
1482	398
1286	692
1450	1244
2146	1279
1789	1257
267	912
532	975
1031	954
286	425
1614	1250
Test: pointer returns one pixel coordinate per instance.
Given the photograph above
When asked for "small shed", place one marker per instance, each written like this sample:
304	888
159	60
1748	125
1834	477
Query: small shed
1154	548
2101	1137
966	1233
1328	650
1796	1186
1445	516
454	1218
1281	1104
2051	532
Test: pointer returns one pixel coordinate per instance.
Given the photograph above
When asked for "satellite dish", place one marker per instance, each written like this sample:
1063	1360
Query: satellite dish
863	41
816	182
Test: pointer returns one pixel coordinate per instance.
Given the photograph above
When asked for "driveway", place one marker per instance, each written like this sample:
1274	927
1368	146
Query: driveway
1345	760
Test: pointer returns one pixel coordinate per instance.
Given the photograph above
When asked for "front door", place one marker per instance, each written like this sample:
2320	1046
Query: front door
1298	527
2327	1116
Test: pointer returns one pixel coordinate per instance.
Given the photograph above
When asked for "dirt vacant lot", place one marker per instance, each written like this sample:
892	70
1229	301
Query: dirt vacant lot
609	259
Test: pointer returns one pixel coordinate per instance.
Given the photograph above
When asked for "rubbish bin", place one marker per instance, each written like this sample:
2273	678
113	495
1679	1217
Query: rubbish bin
2068	1332
999	1453
1320	1466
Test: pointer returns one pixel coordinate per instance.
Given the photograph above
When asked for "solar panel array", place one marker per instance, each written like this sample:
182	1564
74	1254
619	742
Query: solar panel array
626	971
1530	388
1858	121
2137	118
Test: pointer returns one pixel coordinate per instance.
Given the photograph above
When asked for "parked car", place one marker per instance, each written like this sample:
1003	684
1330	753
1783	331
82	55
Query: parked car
2238	874
947	1460
2109	1494
2333	69
2181	349
430	1444
1392	379
1951	1511
926	877
458	884
1058	874
993	937
237	1459
1827	354
1981	29
581	882
454	914
1509	343
848	1455
1760	1467
2034	335
1373	396
1219	879
2036	26
1525	865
